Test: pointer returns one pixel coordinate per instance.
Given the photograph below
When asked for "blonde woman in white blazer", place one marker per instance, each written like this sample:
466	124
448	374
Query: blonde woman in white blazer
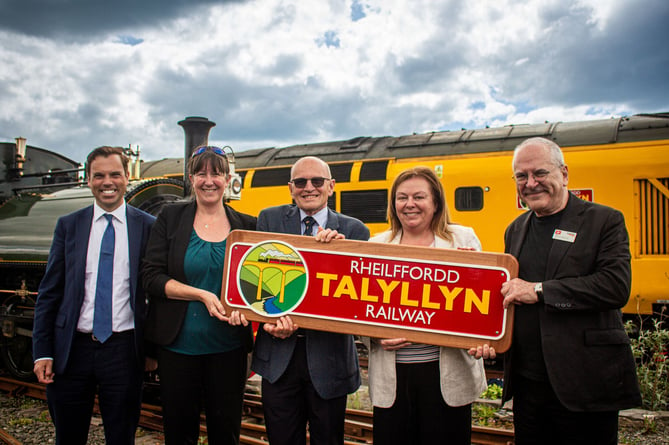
422	394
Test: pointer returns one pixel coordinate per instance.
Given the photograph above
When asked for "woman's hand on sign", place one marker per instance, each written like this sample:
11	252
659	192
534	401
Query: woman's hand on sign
236	318
482	351
283	328
393	344
327	235
213	304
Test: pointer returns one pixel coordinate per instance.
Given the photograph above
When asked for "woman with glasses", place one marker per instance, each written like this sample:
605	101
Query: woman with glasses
422	394
202	357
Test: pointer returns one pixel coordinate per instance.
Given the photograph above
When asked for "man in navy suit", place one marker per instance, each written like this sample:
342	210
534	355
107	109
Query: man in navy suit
570	368
307	374
69	358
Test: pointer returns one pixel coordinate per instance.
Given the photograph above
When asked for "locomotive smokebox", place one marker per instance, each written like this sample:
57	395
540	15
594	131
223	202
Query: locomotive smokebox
197	133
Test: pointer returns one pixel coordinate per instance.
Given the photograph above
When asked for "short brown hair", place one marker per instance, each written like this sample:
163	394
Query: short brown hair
107	151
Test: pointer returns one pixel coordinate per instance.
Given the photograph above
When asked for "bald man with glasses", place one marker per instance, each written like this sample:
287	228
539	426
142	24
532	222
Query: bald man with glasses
307	374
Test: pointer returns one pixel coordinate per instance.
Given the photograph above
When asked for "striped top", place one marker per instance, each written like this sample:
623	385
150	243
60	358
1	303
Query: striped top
417	353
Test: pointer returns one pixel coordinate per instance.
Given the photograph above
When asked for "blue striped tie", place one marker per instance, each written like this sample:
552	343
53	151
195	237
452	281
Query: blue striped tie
102	317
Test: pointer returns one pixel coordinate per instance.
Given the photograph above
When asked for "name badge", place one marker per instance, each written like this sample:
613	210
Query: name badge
564	235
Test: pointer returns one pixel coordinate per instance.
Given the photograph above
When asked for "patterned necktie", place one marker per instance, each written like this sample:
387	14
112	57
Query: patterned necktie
102	317
309	223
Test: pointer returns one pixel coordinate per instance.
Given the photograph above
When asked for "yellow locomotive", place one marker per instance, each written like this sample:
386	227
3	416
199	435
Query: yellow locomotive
622	163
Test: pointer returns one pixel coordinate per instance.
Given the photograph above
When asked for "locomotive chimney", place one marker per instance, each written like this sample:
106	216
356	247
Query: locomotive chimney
16	170
197	133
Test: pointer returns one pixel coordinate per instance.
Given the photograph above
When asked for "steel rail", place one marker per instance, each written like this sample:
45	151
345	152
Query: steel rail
358	428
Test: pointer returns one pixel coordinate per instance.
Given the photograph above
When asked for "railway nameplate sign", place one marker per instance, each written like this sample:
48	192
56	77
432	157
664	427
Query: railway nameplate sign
437	296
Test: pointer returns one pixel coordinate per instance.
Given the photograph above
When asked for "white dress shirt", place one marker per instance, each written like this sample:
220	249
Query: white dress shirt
122	313
321	218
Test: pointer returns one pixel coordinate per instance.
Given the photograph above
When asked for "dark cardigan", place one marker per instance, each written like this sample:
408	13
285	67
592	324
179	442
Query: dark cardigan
164	261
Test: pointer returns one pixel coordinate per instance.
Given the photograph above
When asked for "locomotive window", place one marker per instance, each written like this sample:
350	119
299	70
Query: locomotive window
341	172
369	206
270	177
468	199
373	171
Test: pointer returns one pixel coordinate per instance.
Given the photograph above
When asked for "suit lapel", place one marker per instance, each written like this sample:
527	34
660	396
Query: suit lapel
82	233
182	238
134	249
333	221
571	221
521	231
291	221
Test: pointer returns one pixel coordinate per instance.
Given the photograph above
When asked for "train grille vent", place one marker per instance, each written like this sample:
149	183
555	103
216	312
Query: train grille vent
653	216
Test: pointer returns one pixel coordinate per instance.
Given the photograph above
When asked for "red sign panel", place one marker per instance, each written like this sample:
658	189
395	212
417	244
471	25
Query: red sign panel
584	194
438	292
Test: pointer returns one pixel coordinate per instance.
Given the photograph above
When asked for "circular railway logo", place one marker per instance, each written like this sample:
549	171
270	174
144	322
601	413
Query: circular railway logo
272	278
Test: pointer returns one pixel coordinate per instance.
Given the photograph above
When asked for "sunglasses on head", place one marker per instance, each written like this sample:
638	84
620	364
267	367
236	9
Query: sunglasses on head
199	151
301	183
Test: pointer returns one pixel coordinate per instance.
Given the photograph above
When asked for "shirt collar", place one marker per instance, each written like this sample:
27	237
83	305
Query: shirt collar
118	213
321	216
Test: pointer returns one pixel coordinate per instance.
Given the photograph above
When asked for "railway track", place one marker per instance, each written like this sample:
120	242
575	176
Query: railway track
358	428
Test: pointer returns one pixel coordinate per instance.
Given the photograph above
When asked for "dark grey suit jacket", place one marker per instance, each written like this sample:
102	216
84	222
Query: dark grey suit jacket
332	358
586	349
61	292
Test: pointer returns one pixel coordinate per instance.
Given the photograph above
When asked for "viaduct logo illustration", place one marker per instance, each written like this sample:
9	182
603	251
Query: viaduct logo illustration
272	278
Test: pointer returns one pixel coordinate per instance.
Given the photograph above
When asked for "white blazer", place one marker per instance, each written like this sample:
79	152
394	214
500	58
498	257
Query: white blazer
462	376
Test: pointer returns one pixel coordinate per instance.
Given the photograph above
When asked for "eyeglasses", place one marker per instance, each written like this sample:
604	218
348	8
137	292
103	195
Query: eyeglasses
538	175
199	151
301	183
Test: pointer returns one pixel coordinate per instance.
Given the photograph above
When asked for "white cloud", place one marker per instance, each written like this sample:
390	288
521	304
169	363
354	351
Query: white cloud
278	72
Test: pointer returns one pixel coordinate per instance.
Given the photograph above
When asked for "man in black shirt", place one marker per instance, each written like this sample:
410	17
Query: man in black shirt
570	368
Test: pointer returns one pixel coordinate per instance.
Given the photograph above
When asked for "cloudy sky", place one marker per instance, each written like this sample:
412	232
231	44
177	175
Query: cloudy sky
77	74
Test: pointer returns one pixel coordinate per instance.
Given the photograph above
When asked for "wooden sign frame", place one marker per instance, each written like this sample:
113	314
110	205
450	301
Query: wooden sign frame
242	243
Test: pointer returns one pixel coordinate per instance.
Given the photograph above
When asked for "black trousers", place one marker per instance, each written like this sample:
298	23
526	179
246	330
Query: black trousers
419	415
540	418
291	402
111	370
189	382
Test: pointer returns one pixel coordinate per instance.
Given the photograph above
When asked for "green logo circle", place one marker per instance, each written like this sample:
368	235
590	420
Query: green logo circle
272	278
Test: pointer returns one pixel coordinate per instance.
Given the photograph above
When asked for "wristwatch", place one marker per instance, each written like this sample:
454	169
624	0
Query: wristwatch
539	290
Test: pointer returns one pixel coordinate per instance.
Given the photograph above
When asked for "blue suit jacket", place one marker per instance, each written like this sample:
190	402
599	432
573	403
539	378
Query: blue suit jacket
61	292
332	358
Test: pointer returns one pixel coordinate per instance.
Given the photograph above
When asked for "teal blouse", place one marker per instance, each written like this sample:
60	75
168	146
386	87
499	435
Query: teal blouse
200	332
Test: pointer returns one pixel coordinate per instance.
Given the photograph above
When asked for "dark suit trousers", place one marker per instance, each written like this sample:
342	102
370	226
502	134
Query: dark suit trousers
540	418
111	369
292	401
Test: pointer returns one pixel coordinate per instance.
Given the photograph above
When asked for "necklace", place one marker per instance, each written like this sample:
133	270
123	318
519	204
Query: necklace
213	223
208	224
